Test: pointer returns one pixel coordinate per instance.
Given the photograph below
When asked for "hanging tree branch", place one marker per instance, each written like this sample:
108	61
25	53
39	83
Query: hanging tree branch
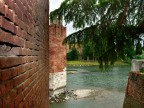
110	25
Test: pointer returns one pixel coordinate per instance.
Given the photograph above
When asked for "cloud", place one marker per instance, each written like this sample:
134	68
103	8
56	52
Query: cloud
70	29
54	4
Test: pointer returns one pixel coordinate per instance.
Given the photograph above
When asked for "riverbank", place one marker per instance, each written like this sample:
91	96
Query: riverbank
92	63
90	88
97	94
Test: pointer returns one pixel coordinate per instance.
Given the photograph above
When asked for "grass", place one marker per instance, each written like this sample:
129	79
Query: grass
90	63
81	63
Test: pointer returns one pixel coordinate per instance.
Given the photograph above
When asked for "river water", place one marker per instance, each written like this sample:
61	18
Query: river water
109	85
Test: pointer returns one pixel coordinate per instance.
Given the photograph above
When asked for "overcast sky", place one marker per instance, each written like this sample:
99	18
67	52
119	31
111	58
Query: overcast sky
54	4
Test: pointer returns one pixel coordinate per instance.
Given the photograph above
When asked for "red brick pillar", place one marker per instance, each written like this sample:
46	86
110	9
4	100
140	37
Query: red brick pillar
57	59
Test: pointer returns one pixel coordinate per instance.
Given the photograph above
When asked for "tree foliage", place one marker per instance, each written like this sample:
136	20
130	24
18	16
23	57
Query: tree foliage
138	48
73	54
112	26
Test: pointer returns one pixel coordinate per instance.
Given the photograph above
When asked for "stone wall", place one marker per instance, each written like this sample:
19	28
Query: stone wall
134	97
57	82
24	53
57	59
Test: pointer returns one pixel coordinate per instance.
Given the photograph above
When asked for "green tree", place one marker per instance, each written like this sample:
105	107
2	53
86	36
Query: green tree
88	50
73	54
138	48
111	25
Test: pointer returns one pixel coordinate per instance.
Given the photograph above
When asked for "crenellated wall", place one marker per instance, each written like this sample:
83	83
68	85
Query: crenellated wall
24	76
57	59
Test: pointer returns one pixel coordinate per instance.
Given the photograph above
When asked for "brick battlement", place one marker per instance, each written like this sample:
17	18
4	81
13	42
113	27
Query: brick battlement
57	59
57	51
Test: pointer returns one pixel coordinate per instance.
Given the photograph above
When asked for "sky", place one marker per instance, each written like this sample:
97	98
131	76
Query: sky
54	4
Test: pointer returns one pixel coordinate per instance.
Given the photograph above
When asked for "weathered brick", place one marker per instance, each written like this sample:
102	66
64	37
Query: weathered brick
21	7
134	91
15	19
19	41
23	54
19	79
13	94
26	83
25	3
11	61
13	39
8	74
6	87
14	51
18	31
10	3
0	21
21	24
21	105
5	75
7	25
19	98
1	104
9	13
8	102
20	89
18	11
2	10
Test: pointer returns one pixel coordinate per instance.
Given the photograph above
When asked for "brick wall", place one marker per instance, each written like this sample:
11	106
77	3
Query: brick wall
134	96
135	91
57	59
24	54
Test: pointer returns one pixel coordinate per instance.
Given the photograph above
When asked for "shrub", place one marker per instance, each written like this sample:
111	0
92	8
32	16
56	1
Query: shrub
73	54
